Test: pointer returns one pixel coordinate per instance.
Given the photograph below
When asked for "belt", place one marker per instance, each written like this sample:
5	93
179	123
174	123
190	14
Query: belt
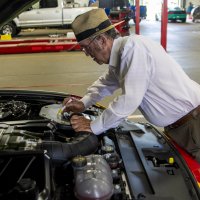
192	114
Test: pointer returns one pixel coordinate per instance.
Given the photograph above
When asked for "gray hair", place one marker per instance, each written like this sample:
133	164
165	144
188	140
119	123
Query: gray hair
110	34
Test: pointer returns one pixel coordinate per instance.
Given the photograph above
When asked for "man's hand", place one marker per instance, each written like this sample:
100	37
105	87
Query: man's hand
80	123
72	104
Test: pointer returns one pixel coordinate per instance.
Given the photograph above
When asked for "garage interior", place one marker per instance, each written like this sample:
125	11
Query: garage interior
144	164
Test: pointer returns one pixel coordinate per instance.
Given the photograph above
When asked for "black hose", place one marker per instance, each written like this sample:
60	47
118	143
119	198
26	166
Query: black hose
84	144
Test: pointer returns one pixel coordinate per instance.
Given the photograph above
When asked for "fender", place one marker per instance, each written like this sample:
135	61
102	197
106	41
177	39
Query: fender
16	21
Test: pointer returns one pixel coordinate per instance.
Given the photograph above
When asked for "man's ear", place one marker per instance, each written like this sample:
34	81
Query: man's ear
103	40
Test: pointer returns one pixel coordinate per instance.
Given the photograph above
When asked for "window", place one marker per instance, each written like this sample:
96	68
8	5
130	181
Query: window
48	3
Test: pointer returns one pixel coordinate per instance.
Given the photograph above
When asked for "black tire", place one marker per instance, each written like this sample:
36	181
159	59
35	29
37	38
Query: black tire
9	28
156	17
18	30
183	20
135	20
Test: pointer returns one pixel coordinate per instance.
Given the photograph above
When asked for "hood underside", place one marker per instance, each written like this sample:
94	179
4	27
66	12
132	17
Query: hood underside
10	9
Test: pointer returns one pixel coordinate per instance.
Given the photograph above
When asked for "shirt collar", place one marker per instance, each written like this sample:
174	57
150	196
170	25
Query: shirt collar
116	52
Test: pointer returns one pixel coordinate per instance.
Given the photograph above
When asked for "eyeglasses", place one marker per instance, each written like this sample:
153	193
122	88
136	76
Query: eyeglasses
86	49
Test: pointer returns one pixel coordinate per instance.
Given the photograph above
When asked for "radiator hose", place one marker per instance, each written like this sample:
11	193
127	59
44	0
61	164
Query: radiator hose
84	143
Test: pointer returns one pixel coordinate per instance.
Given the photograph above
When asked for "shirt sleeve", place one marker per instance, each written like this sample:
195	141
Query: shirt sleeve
104	86
135	72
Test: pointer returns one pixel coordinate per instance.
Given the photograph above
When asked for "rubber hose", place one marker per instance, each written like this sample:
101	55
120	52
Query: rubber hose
84	144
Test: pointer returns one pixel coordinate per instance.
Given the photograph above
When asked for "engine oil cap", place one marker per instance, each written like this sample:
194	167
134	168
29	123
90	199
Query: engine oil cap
107	149
79	161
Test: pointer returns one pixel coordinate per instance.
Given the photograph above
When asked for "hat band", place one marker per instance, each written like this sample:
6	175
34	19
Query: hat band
90	32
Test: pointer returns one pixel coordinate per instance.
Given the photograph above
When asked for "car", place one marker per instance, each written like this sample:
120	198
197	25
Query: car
177	14
174	14
42	158
195	14
46	14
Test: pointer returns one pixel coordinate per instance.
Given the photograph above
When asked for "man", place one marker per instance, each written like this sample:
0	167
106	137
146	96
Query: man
91	2
189	9
148	77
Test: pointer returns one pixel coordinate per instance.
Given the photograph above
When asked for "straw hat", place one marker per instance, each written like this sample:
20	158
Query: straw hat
91	23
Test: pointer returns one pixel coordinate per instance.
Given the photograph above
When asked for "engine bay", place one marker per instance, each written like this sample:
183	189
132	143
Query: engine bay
42	158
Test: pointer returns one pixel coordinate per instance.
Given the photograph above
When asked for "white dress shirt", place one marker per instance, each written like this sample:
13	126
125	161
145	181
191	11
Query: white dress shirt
149	79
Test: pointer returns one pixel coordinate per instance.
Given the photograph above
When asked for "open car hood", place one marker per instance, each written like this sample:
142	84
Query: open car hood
44	159
10	9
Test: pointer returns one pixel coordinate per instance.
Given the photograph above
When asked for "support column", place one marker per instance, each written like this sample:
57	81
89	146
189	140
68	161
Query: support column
137	17
164	22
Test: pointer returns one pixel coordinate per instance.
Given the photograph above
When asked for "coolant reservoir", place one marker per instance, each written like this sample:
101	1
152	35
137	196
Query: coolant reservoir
93	178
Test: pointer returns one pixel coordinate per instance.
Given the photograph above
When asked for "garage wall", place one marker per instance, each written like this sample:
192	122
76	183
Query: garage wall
82	2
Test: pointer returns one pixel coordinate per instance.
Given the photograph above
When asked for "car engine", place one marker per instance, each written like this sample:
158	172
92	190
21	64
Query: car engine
42	158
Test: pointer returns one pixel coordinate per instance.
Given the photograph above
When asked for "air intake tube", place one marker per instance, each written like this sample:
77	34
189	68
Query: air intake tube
84	143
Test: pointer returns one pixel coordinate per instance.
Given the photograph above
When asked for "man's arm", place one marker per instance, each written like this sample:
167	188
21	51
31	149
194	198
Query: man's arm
104	86
136	71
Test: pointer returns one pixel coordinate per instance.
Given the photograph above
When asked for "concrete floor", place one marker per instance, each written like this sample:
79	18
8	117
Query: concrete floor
73	72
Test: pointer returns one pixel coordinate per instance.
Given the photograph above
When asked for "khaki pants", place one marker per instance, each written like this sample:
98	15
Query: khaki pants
187	136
